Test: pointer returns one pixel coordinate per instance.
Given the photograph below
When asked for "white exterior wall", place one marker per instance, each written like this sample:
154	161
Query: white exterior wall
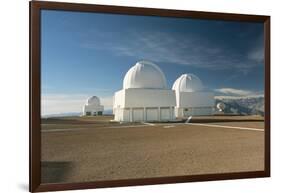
193	111
196	99
93	109
119	99
194	103
149	98
137	105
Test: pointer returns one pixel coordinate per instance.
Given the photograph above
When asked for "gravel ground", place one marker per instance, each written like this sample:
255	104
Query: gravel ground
105	150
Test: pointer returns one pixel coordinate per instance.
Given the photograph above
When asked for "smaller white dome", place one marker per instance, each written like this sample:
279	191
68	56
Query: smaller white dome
145	74
94	100
220	106
188	83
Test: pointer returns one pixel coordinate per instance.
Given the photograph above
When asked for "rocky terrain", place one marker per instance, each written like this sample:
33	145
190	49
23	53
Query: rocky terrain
242	105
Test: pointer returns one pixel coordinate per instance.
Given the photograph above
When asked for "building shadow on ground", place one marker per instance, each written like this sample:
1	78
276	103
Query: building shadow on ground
224	120
55	171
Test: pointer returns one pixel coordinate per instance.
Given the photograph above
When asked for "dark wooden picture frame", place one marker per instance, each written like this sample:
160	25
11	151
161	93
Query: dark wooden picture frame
35	119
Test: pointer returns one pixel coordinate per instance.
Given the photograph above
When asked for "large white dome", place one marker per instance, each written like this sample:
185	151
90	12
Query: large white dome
188	83
94	100
145	74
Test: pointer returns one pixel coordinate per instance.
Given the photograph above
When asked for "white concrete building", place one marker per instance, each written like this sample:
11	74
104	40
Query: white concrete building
191	97
144	96
93	107
220	107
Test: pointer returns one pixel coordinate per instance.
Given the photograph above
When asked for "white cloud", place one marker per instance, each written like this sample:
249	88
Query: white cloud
239	97
175	48
236	92
107	102
68	103
257	54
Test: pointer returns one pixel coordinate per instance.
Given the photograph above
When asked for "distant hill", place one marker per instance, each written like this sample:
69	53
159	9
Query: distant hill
108	112
252	105
71	114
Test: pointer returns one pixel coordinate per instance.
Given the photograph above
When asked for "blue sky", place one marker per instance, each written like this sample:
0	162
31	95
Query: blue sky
84	54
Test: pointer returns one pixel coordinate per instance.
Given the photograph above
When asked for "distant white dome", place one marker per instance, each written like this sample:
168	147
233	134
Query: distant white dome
188	83
94	100
220	106
145	74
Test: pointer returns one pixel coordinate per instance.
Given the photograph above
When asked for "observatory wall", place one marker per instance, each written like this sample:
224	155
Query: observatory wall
135	105
196	99
194	104
149	98
92	107
92	110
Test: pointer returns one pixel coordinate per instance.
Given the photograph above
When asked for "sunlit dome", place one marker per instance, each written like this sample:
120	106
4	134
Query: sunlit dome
188	83
145	74
94	100
220	106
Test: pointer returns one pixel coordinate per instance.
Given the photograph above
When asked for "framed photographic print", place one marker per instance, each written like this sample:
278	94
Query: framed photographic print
123	96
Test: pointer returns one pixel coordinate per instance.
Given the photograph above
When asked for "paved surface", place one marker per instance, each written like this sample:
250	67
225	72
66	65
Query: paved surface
91	149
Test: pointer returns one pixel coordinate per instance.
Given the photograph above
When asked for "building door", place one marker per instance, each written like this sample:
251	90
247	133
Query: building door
126	115
152	114
165	114
138	115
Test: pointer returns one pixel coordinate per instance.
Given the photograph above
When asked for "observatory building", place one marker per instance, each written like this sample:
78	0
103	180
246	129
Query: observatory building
191	97
220	108
144	96
92	107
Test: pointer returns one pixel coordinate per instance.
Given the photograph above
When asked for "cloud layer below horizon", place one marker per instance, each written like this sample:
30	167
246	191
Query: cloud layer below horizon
73	103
